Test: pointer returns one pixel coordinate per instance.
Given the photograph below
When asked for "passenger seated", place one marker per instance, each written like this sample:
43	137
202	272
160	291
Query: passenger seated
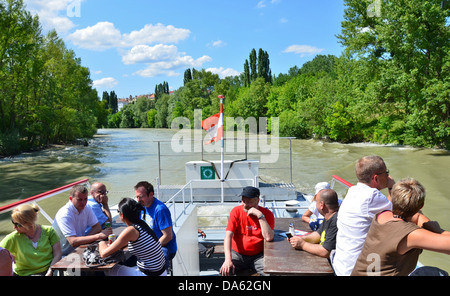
35	247
322	241
248	227
72	220
142	242
396	238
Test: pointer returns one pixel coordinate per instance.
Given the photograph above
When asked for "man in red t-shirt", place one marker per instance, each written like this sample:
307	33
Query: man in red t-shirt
248	226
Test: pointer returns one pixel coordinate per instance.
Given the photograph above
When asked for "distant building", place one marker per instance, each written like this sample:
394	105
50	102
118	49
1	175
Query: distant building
123	102
130	100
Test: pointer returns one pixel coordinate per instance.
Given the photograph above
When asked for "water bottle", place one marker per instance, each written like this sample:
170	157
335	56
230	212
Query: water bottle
292	229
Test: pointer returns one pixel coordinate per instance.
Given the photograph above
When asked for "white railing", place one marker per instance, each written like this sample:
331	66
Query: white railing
180	194
188	186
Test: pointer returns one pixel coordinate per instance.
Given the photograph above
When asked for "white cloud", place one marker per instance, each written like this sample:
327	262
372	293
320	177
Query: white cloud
101	36
169	67
156	33
261	4
53	13
108	82
303	50
147	54
161	59
218	43
223	72
105	35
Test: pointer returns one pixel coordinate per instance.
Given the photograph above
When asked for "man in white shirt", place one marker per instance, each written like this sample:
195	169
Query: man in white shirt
72	220
362	202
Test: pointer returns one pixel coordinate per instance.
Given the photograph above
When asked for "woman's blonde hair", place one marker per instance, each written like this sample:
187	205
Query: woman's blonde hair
25	214
408	197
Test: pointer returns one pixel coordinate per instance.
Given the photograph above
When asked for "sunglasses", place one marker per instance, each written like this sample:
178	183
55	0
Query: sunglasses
16	224
386	172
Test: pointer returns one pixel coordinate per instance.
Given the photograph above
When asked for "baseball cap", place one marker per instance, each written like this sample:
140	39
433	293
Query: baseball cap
250	191
321	186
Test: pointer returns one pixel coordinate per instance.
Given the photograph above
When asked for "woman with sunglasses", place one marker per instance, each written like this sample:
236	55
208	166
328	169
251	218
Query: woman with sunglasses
141	241
35	247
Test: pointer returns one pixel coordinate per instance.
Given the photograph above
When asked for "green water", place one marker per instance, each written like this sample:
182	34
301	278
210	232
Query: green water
122	157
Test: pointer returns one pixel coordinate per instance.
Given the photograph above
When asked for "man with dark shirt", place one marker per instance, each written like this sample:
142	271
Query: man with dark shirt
322	241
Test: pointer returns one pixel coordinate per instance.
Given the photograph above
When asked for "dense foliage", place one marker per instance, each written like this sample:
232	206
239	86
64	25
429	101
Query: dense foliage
46	96
390	85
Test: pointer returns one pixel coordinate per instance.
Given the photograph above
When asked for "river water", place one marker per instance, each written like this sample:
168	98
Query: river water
122	157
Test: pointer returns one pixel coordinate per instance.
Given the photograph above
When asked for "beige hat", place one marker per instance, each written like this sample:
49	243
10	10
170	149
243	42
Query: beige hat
321	186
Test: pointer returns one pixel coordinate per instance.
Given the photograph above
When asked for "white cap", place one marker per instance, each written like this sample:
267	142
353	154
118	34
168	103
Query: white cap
321	186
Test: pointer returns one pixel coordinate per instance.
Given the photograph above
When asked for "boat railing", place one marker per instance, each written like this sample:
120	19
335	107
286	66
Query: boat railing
35	199
186	201
340	180
180	195
244	152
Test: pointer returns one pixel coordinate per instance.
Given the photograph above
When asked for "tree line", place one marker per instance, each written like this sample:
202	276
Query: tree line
390	85
46	96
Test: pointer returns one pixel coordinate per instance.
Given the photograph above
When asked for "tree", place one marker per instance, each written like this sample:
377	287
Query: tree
112	102
320	63
151	116
246	73
259	67
162	112
253	65
187	76
46	95
251	101
127	120
264	65
160	89
408	42
140	111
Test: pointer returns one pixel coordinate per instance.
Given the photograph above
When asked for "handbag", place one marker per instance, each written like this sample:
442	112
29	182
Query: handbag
92	258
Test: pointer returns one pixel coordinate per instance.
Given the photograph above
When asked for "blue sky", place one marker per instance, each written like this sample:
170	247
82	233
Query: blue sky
130	46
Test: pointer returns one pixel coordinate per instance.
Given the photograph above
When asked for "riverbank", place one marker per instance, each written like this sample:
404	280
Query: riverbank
15	152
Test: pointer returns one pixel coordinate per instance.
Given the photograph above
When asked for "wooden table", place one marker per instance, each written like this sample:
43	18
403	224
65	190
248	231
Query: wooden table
280	258
74	263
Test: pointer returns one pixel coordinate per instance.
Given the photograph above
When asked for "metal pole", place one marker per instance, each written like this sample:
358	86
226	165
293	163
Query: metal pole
159	161
221	97
290	156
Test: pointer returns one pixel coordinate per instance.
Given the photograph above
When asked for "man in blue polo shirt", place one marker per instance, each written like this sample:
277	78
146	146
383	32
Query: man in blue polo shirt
158	218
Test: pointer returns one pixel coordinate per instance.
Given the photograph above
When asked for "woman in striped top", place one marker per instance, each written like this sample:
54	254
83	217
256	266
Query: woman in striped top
141	240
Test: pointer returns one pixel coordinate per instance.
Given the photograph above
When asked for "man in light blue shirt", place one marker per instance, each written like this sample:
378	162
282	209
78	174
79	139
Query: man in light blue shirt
98	202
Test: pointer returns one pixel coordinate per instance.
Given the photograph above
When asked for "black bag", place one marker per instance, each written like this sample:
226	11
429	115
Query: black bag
92	258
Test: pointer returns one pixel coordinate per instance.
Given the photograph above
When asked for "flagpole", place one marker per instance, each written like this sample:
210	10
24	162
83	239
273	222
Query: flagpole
221	97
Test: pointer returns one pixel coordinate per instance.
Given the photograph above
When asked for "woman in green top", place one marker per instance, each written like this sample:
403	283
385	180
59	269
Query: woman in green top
34	247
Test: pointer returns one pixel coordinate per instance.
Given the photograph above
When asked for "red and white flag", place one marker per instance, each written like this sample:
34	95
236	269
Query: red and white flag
213	125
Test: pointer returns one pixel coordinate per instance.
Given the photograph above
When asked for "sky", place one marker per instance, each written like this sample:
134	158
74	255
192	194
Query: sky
130	46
